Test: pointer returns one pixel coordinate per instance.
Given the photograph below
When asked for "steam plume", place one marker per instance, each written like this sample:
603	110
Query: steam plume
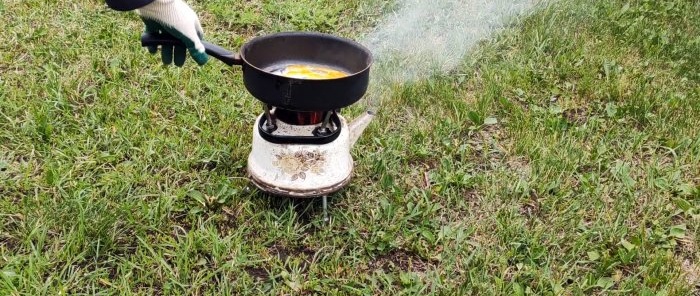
425	37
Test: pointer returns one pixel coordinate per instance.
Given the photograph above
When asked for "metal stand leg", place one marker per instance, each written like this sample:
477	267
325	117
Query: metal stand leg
325	210
270	123
326	127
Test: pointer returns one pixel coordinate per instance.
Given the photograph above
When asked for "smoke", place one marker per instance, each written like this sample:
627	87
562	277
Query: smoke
427	37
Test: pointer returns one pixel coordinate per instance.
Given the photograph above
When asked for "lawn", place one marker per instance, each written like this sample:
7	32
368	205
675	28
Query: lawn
562	157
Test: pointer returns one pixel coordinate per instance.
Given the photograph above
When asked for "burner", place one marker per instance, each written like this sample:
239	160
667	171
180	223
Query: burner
299	117
282	126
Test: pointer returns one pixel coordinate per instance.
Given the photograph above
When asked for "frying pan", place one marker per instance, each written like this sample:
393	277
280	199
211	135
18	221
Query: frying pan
262	56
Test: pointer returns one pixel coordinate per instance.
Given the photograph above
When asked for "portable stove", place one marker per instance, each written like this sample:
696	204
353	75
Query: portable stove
303	154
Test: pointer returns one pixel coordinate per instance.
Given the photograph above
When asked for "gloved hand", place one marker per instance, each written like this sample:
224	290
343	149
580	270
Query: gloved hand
176	18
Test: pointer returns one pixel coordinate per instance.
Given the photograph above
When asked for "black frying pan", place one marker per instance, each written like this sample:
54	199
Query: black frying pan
264	55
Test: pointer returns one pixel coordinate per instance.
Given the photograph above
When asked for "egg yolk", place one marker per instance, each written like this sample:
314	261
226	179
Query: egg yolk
311	72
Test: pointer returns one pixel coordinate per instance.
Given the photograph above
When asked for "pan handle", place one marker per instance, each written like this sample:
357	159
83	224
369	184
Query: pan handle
218	52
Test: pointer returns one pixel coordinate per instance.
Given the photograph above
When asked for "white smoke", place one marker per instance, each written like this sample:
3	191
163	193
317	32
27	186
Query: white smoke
424	37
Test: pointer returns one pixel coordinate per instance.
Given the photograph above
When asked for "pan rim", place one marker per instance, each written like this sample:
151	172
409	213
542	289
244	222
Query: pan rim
307	34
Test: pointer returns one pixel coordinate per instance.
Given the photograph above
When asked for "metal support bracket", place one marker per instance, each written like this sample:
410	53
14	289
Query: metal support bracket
326	219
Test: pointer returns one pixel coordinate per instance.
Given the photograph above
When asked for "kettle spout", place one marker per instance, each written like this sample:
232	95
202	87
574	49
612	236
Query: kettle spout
359	125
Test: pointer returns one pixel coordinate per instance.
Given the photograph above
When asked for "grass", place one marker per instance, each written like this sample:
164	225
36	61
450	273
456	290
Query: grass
561	158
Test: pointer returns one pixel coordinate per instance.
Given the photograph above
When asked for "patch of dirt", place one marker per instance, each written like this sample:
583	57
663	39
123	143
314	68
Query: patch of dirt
686	256
487	147
126	243
586	168
654	153
428	164
143	289
487	137
401	260
520	166
181	222
14	168
8	242
476	209
419	172
231	218
692	273
283	253
182	181
531	207
308	210
576	115
472	198
257	273
12	224
204	166
472	195
53	235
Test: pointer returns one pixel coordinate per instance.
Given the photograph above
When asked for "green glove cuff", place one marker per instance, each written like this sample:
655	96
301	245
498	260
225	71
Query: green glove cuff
176	54
200	57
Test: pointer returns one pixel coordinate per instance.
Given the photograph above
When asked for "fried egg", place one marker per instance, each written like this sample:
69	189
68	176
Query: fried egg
301	71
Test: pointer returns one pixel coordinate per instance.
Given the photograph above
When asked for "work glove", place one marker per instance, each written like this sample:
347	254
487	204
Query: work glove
176	18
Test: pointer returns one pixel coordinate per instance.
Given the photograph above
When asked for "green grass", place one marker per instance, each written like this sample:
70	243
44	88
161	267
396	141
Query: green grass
561	158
